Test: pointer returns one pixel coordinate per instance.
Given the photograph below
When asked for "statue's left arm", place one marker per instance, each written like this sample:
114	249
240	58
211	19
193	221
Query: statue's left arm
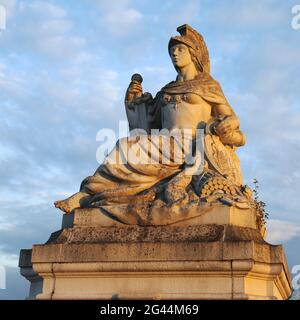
227	126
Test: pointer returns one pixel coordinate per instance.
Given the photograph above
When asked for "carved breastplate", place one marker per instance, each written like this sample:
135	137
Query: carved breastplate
174	99
181	111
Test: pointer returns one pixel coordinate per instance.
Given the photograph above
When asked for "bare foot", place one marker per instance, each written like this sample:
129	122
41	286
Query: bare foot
63	205
70	203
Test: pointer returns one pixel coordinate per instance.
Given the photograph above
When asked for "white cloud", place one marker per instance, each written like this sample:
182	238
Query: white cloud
40	26
43	8
120	17
8	259
9	6
279	231
188	12
5	225
123	18
254	13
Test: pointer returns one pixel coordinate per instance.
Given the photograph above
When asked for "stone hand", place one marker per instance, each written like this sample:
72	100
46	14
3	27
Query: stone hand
135	89
226	126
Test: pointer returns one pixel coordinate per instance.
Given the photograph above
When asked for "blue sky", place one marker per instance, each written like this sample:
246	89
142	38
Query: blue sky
65	66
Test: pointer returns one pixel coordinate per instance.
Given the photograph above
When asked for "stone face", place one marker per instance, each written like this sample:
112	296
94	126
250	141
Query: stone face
206	261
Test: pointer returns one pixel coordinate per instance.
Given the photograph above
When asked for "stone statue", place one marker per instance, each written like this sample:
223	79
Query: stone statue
138	192
167	207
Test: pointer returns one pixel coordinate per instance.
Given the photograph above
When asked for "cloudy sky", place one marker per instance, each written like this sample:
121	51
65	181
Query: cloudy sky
64	69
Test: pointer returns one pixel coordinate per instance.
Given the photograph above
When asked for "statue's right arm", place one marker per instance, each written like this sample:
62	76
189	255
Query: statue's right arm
133	91
135	95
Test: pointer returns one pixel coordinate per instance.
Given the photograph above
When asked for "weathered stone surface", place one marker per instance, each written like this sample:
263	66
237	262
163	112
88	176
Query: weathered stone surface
197	261
191	214
214	224
223	269
138	234
196	233
127	252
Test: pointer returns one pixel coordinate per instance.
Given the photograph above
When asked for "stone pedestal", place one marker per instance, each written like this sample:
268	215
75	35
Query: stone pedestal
196	260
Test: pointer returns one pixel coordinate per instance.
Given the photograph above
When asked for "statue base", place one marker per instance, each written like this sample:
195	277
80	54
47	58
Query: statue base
181	261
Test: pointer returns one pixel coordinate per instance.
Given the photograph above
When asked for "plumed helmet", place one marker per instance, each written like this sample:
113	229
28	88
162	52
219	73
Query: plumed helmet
194	40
